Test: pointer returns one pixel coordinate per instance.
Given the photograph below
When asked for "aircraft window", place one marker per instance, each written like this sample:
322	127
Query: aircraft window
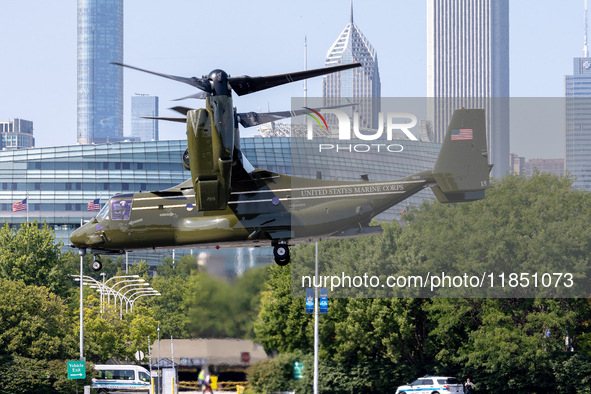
104	212
120	209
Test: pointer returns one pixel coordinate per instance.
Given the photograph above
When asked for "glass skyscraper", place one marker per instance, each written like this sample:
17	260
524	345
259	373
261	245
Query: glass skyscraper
467	65
100	84
144	129
577	92
360	84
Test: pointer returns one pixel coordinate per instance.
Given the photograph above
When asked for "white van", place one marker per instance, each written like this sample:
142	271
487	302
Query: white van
121	377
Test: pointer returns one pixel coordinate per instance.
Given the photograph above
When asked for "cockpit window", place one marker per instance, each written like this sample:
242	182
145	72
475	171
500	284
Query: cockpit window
120	209
104	212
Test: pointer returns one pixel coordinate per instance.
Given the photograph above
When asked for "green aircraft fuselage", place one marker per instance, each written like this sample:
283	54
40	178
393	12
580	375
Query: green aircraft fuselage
258	213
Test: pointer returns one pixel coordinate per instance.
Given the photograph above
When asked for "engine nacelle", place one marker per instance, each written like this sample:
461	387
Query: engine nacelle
210	141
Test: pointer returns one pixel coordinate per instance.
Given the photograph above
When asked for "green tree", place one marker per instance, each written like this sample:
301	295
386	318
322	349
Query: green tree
110	335
34	323
169	268
141	269
171	309
31	254
505	343
31	376
220	308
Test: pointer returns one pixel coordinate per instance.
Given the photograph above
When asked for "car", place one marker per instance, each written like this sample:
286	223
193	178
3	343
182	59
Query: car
432	385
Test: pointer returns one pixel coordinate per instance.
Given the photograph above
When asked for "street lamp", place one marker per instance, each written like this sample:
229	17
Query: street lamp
142	294
137	290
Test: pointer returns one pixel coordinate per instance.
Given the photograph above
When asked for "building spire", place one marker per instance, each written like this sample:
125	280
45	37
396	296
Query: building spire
585	47
351	20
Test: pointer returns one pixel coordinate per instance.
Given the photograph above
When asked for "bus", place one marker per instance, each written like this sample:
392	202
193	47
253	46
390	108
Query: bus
121	377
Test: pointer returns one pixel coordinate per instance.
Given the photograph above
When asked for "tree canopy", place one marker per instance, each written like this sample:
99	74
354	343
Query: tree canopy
31	254
509	340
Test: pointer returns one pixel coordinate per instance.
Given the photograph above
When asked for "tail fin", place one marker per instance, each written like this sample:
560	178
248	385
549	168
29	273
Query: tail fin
462	170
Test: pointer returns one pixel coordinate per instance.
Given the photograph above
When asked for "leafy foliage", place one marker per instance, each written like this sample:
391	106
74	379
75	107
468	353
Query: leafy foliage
34	322
108	336
503	343
30	254
223	309
31	376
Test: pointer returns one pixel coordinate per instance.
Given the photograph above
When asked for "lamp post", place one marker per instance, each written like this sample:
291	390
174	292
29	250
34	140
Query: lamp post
122	296
142	294
117	292
81	252
136	290
159	377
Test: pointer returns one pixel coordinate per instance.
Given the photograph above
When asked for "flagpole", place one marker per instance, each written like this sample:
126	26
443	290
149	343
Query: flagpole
27	199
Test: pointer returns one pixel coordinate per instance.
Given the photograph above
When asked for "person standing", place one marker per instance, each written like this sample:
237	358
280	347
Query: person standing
469	386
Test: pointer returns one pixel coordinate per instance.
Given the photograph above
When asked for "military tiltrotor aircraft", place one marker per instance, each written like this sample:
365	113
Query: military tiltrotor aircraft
229	203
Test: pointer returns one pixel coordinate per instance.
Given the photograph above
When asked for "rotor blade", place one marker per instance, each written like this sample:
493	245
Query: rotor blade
249	119
198	95
246	84
175	119
181	110
199	83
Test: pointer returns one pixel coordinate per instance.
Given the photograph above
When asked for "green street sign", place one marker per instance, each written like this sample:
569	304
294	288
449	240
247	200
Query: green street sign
298	370
76	369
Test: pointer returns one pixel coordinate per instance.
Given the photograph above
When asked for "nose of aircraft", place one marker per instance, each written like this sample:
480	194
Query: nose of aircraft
77	238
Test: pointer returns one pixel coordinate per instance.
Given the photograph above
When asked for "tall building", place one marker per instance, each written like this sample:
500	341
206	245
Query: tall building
517	164
577	93
144	129
357	83
16	134
100	84
468	66
551	166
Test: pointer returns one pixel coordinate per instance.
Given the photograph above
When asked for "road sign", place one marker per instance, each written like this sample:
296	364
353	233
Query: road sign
309	300
245	357
76	369
323	301
298	370
139	355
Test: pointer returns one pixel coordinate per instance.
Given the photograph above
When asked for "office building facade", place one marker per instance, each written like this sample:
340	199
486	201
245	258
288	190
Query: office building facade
143	105
100	84
16	134
577	92
551	166
468	66
361	84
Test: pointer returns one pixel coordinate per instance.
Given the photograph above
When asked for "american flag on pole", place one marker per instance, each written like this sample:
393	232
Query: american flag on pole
461	134
19	206
94	205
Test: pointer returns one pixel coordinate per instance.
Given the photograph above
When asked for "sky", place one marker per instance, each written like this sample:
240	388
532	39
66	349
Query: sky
264	37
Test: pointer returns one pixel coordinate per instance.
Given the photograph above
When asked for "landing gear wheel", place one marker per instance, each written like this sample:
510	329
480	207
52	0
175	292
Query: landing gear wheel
281	253
96	265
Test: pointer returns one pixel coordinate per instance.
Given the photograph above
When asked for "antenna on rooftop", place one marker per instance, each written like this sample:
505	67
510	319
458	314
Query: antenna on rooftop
305	68
585	48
